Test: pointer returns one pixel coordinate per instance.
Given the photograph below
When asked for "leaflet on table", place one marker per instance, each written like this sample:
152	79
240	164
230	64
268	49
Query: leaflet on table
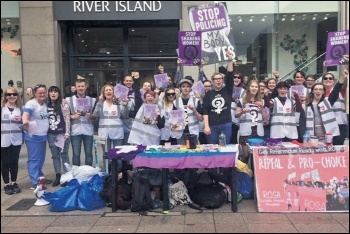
153	147
121	91
150	113
198	89
161	80
177	120
83	105
229	148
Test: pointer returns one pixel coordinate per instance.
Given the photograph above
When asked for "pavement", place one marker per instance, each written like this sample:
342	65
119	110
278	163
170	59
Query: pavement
179	220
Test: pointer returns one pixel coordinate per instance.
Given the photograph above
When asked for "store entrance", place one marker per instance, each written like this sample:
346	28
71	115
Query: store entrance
105	51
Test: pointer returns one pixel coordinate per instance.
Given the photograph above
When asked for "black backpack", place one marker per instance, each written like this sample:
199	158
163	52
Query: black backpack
141	195
210	196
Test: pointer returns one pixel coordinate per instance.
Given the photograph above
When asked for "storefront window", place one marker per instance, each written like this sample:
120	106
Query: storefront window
283	36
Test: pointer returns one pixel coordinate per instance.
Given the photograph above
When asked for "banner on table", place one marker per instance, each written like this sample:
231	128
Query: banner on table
214	23
190	43
337	46
304	179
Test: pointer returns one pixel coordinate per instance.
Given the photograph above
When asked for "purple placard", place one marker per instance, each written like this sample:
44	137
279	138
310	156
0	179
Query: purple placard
177	120
161	80
190	51
219	38
198	88
337	46
208	17
299	89
236	94
121	91
150	113
83	104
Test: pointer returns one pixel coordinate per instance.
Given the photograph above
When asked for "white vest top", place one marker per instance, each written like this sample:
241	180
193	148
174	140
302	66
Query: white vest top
10	123
327	116
247	120
83	125
110	125
193	123
283	123
339	110
143	134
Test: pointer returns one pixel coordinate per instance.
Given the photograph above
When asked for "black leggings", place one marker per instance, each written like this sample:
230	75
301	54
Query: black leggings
9	162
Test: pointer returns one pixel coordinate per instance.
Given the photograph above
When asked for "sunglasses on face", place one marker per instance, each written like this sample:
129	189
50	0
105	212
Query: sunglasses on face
237	77
170	94
11	94
328	78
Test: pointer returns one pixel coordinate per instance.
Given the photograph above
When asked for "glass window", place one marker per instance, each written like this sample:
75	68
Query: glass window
103	41
99	63
283	36
153	40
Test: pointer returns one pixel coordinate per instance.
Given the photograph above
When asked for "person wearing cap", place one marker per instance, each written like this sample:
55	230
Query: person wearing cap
217	105
283	114
192	108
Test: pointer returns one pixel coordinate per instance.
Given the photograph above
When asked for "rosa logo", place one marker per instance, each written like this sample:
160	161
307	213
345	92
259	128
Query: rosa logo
288	110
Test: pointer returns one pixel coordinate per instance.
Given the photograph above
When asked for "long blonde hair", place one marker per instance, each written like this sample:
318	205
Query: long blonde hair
18	102
248	95
103	90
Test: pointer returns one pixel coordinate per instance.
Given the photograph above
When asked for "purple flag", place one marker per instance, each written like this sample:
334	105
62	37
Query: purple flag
190	43
337	46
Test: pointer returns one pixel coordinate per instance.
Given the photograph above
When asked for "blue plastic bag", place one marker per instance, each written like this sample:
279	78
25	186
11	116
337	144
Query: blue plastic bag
75	196
64	199
244	184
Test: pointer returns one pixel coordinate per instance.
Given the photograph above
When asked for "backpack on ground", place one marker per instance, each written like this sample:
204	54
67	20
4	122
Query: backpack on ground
141	195
210	196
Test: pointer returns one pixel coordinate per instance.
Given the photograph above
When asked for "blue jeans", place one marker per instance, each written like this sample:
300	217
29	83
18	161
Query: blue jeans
213	138
76	147
57	154
36	159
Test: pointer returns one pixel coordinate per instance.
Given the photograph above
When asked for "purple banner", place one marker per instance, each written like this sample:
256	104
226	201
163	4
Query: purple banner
337	46
214	23
190	43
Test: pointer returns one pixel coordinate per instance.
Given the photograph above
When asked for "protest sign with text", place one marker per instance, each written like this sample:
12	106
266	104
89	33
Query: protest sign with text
190	47
214	23
337	46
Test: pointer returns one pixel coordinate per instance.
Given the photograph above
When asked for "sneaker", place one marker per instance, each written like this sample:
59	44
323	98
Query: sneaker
33	187
15	188
8	189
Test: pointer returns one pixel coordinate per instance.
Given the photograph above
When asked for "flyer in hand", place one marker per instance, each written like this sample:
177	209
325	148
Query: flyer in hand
198	89
150	113
177	120
121	91
83	105
161	80
236	94
299	89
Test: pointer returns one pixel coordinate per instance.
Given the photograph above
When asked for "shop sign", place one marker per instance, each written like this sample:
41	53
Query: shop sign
117	10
